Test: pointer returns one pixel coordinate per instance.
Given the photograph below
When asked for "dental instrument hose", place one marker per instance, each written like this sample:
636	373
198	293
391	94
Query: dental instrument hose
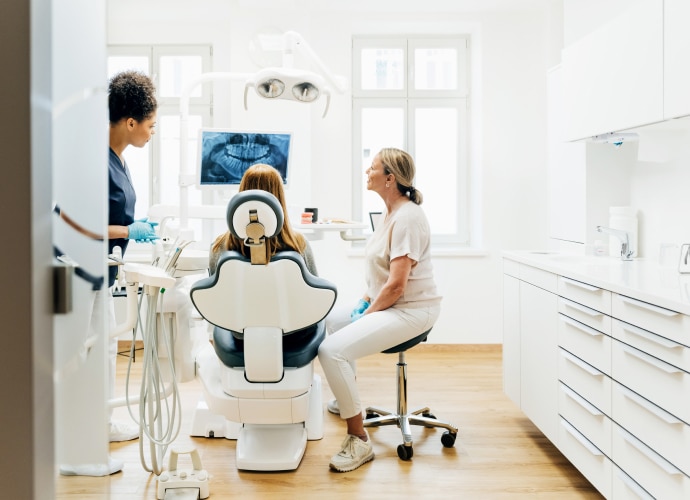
159	420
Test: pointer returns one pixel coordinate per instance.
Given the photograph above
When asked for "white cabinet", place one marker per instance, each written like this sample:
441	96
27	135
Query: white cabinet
511	338
567	164
676	57
538	362
530	330
614	76
622	379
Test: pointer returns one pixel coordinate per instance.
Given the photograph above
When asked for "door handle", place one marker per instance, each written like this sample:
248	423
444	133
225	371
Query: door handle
62	288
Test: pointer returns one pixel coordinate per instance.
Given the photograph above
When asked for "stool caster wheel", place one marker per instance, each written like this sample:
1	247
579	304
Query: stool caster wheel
405	452
448	439
371	415
429	415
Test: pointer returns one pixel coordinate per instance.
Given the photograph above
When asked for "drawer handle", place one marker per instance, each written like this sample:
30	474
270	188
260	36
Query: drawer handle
661	462
653	337
579	284
633	486
649	307
581	439
578	362
583	309
581	401
650	360
650	407
584	328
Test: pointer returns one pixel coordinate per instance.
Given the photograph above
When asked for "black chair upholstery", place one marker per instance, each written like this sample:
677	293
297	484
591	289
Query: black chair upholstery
299	348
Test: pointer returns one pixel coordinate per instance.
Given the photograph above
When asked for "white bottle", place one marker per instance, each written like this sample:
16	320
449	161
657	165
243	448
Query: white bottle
625	219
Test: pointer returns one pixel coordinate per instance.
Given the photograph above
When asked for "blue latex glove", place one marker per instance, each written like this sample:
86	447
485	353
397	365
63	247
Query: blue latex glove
359	310
142	230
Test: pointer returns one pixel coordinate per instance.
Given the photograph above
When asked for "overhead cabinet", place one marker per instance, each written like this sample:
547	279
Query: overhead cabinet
676	57
614	76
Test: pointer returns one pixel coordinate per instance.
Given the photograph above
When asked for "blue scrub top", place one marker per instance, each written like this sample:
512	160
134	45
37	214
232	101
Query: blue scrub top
122	200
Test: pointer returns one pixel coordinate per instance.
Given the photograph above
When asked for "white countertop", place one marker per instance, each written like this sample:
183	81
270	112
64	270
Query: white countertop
641	279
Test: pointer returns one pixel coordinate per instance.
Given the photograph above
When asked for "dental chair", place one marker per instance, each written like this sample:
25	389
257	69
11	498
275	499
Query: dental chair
258	379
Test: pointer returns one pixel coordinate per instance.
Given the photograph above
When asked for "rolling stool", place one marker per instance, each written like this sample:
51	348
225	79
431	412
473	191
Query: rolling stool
376	417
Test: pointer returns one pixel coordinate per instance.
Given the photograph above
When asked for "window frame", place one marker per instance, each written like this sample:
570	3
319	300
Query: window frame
170	106
409	100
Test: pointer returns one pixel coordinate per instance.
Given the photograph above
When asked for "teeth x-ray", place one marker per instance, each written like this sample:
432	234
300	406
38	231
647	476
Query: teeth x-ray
225	156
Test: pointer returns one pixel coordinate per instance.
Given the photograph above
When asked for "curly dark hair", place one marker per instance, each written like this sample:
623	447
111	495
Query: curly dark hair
131	94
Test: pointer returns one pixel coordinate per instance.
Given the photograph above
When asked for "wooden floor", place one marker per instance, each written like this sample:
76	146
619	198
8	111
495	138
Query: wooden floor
498	454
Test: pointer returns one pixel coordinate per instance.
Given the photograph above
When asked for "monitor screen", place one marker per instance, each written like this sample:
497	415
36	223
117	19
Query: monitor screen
224	155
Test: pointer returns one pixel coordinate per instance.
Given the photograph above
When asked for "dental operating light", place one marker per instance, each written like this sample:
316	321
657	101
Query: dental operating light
288	83
277	82
270	88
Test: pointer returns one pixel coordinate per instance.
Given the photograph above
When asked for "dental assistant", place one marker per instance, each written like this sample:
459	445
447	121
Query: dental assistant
400	302
132	107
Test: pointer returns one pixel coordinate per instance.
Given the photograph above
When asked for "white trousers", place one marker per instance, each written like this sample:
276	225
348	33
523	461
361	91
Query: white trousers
371	334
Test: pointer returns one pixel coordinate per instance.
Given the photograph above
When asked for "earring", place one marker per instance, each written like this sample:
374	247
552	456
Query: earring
388	185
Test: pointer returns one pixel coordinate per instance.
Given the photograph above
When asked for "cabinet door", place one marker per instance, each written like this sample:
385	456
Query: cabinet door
613	77
567	166
539	358
676	57
511	338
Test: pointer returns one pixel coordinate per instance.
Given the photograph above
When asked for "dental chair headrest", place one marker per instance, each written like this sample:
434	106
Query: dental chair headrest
253	216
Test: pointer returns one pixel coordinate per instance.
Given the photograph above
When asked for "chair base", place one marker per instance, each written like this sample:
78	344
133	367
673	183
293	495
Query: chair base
275	431
404	419
271	447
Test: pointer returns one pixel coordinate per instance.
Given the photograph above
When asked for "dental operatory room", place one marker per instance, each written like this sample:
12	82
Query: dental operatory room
345	249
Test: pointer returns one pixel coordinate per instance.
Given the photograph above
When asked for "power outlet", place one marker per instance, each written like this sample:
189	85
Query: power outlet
684	263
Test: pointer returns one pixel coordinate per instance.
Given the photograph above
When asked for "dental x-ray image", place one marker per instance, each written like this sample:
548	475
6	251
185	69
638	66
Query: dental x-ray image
226	155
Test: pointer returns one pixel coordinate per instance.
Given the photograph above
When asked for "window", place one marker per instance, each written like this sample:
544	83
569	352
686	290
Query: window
412	93
155	168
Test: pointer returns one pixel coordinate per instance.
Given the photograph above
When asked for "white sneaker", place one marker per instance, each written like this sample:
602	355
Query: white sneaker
333	407
111	467
354	453
123	431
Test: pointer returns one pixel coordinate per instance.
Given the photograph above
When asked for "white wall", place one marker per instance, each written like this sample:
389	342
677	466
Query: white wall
659	181
511	52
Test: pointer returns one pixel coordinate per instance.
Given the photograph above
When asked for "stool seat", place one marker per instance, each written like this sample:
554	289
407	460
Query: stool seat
408	344
376	417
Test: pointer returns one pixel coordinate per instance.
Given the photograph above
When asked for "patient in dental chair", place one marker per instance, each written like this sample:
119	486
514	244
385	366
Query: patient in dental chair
266	178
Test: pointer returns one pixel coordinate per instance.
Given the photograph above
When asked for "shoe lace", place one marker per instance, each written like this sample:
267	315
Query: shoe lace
348	447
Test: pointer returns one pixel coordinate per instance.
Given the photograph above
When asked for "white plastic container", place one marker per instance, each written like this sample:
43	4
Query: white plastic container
625	219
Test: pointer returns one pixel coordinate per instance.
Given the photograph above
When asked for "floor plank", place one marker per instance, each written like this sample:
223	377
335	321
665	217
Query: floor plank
498	454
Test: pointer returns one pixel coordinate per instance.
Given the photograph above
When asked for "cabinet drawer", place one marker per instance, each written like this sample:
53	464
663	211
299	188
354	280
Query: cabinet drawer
585	294
586	342
664	322
587	315
663	348
653	379
626	487
585	417
661	431
586	380
588	459
650	470
539	277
